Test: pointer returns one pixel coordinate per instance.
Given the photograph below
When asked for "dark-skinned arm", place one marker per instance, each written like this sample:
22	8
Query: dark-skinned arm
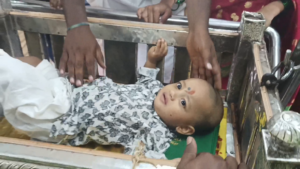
80	47
199	44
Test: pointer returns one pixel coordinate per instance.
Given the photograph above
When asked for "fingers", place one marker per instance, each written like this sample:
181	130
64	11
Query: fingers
63	62
201	69
165	51
207	57
231	162
156	14
71	67
190	152
216	73
90	64
167	14
144	14
208	76
140	12
195	69
242	166
159	44
99	57
150	14
161	47
79	60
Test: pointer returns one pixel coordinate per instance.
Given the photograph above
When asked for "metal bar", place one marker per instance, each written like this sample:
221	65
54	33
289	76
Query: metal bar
289	87
34	44
224	40
274	47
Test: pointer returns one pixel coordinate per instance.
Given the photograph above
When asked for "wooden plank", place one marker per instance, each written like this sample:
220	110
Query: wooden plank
172	163
23	43
264	91
34	45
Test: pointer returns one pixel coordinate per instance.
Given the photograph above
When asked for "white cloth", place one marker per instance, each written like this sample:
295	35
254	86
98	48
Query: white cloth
32	97
41	104
133	6
110	113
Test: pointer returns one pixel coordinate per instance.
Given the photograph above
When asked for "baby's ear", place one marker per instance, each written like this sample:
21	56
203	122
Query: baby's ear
185	130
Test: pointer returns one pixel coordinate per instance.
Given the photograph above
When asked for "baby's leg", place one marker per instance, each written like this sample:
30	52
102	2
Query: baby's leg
31	101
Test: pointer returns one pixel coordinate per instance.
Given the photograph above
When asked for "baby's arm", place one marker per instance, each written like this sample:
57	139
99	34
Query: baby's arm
33	61
156	54
271	10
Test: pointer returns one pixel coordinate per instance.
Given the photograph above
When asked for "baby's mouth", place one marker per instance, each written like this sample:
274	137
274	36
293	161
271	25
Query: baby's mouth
164	98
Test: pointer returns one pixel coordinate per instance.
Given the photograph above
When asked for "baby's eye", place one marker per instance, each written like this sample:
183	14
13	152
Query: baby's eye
183	103
179	86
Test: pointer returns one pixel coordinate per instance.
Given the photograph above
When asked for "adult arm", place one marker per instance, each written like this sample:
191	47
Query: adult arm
80	45
199	44
271	10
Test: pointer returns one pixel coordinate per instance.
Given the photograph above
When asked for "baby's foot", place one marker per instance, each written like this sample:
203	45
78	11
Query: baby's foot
158	52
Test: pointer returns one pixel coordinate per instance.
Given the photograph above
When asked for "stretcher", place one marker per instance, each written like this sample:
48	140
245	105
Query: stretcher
255	124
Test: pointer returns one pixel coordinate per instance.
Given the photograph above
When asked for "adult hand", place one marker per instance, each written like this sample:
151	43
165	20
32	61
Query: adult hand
190	159
80	47
153	12
56	4
203	56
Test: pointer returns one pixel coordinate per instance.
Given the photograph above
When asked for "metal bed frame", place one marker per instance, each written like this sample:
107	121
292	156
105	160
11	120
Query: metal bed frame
262	126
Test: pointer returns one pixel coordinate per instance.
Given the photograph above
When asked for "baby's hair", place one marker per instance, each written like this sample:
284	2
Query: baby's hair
209	120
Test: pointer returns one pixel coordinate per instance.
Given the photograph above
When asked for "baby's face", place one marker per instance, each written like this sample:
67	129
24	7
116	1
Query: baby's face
178	104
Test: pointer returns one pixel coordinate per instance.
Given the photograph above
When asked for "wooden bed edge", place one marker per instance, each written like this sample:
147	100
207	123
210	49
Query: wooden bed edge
235	135
171	163
264	91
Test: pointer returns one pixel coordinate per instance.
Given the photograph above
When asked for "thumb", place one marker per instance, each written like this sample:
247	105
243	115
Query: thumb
167	14
190	152
242	166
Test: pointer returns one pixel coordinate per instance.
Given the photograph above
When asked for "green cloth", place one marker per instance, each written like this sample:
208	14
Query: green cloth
205	143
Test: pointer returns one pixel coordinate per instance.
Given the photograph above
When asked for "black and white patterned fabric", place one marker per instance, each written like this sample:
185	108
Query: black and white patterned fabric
111	113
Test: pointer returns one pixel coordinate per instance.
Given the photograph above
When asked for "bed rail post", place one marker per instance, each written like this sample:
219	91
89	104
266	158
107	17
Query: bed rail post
252	29
9	39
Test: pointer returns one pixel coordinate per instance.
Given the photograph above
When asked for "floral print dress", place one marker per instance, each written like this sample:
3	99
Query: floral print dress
110	113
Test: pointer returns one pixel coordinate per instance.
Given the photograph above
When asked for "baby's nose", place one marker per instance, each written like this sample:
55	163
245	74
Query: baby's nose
173	95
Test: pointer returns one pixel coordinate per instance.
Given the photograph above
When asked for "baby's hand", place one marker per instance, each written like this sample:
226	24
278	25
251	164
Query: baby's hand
158	52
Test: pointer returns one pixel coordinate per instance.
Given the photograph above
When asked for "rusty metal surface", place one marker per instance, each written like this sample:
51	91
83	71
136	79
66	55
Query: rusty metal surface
252	26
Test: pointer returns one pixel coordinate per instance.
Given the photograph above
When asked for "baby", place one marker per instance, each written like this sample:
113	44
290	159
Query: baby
46	107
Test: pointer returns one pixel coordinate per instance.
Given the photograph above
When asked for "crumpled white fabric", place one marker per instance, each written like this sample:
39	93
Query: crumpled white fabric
32	97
